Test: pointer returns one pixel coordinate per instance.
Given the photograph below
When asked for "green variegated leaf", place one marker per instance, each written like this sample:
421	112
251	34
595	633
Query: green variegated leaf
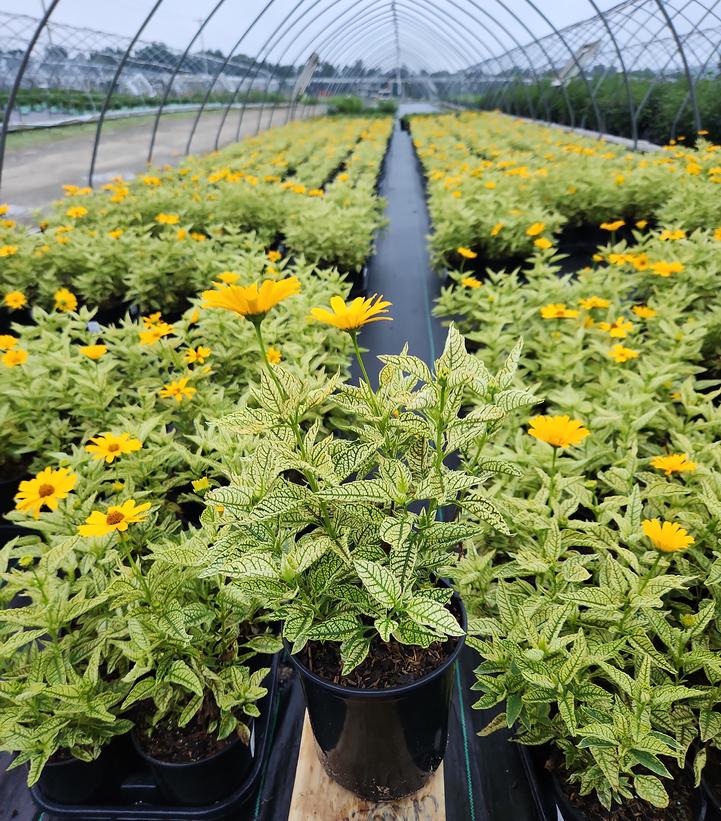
385	626
505	375
486	511
434	615
651	789
180	673
336	628
353	652
379	582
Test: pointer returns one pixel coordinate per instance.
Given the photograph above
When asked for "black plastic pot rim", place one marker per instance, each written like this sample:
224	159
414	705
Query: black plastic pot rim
178	765
374	692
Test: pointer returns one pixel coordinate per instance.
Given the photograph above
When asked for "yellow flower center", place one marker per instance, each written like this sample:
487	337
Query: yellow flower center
46	490
114	517
113	446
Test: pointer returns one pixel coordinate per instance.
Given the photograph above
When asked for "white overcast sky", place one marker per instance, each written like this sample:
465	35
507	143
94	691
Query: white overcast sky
433	34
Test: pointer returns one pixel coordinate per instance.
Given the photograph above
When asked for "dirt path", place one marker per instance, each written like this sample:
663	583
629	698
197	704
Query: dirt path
36	169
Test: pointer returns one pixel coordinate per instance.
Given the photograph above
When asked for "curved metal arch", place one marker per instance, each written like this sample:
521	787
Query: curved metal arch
10	105
417	36
539	42
629	97
360	13
579	67
682	54
695	29
175	73
420	8
464	32
114	82
255	66
267	7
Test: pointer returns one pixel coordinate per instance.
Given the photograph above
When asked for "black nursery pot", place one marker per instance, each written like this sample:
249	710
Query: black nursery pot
381	744
197	783
72	781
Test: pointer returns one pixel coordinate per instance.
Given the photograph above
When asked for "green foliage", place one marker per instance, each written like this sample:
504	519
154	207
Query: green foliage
338	535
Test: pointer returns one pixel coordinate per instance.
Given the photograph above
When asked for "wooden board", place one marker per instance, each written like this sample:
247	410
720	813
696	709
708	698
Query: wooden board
316	796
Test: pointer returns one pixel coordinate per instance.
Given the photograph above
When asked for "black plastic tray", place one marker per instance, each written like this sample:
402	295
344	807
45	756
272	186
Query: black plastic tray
144	802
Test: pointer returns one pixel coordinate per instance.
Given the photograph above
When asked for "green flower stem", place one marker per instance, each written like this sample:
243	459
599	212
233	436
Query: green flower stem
552	478
261	344
371	392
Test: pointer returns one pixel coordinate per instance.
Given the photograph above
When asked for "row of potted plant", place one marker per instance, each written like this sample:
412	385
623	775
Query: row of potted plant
597	621
492	180
157	239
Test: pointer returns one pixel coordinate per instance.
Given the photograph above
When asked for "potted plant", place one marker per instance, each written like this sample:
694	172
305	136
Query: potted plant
189	652
341	537
587	640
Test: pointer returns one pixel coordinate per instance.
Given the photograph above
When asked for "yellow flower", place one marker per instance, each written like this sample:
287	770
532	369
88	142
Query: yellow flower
643	311
181	234
93	351
200	484
152	320
619	179
641	224
76	212
178	390
490	184
496	230
666	536
14	300
8	250
666	234
116	518
316	192
456	194
621	354
17	356
168	219
4	208
273	356
116	233
194	316
108	446
150	180
65	300
613	226
665	269
542	243
252	301
228	277
673	463
558	310
199	355
197	236
154	333
470	282
594	302
466	253
717	234
274	256
46	489
354	315
7	341
535	229
618	329
559	431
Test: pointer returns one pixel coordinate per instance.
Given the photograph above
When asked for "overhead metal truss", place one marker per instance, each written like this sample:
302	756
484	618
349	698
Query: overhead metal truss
502	53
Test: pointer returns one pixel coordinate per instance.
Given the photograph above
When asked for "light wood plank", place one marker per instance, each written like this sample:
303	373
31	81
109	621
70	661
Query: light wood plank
318	798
